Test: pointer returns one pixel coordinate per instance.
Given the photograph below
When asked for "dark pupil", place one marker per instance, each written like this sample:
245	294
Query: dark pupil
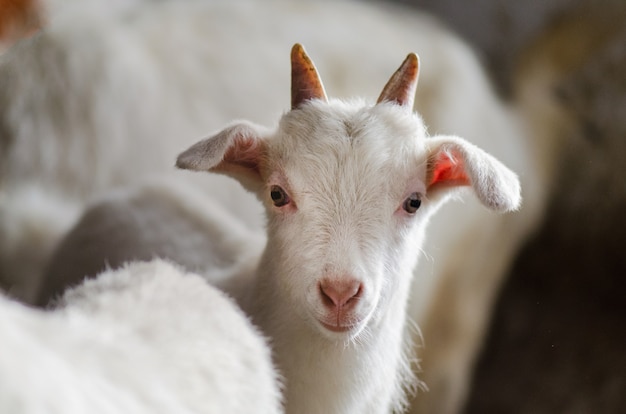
412	203
276	195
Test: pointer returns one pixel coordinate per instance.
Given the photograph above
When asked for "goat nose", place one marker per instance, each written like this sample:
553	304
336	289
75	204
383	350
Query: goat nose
339	293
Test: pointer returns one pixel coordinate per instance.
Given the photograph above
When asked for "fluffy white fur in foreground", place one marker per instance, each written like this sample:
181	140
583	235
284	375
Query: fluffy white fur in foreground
143	339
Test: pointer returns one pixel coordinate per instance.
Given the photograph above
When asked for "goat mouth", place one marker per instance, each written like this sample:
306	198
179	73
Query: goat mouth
338	328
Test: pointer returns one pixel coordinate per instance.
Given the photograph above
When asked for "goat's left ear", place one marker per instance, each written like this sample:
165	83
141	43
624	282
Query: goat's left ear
455	162
237	151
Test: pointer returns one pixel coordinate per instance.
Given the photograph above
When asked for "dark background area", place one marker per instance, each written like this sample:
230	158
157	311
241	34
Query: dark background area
499	30
557	341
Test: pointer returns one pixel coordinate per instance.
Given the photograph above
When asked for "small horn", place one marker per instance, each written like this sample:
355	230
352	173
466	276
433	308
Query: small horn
305	82
401	87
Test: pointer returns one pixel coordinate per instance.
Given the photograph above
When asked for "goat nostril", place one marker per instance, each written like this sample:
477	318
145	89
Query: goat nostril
357	295
338	293
328	300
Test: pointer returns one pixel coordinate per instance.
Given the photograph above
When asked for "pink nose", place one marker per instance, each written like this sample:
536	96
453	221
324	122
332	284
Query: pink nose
340	293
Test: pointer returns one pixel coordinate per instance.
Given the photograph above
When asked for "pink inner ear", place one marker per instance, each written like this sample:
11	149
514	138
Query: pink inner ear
448	171
245	153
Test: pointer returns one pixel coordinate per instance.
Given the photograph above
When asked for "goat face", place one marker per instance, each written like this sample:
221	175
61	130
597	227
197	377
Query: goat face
344	186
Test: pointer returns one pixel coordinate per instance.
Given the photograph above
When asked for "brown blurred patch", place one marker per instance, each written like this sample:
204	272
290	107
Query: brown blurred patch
18	18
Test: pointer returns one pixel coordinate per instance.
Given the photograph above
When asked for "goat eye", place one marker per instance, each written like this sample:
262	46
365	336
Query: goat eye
279	196
412	203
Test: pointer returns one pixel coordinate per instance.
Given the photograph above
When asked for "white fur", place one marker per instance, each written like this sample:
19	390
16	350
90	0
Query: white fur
349	191
143	339
347	168
168	217
130	98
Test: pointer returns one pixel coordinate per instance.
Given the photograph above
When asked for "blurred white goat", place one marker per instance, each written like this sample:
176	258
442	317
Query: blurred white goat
147	338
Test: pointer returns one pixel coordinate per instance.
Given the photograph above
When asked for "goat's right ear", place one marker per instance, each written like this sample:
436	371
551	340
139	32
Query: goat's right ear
237	151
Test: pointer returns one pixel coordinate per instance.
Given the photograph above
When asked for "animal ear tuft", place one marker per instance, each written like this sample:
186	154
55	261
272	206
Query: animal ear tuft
454	162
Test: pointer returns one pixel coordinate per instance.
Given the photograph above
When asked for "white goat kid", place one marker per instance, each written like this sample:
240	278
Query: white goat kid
146	338
349	189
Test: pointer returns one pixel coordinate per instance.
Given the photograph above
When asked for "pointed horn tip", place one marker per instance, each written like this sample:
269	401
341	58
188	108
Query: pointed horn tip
300	59
412	61
297	51
401	86
297	48
305	81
